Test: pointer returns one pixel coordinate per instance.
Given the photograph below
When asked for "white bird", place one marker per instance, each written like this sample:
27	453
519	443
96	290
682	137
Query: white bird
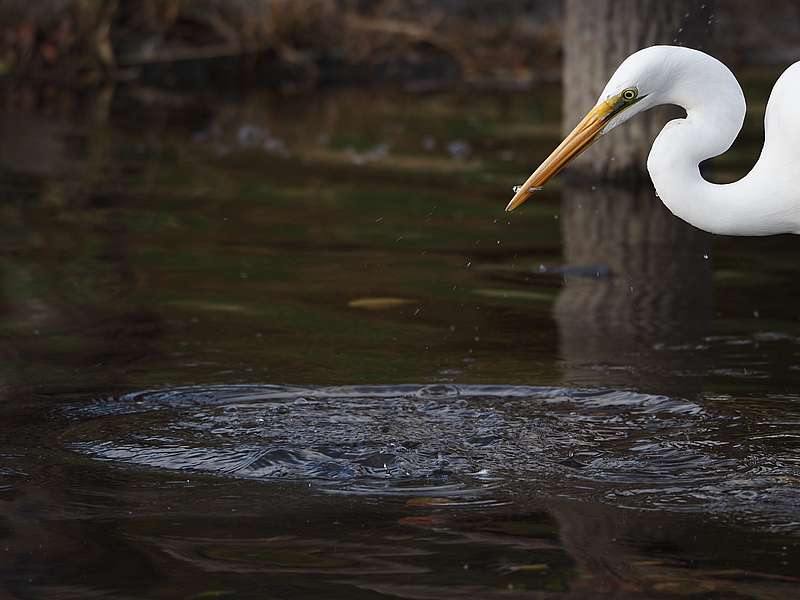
764	202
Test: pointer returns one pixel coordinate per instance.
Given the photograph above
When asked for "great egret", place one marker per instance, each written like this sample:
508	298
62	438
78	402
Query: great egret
764	202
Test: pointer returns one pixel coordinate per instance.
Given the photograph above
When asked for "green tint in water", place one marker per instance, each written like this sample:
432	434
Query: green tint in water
202	229
354	238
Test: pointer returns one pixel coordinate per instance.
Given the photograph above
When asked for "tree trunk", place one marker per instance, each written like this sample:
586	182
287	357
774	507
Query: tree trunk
654	289
598	36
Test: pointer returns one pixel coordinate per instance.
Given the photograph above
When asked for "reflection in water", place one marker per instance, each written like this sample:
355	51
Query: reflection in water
539	448
45	131
637	288
230	243
472	443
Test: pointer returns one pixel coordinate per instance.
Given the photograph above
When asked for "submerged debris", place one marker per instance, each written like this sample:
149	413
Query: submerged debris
379	303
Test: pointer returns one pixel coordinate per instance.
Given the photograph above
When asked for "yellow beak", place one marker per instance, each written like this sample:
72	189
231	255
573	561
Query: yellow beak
585	133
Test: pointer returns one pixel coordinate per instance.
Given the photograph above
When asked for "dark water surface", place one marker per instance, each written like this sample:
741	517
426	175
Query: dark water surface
291	347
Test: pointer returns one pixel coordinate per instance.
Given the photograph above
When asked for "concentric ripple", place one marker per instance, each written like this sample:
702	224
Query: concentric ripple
470	442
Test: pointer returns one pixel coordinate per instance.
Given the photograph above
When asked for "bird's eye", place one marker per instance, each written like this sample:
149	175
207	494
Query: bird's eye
629	94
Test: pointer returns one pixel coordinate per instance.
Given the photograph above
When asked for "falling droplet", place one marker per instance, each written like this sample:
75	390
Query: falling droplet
705	256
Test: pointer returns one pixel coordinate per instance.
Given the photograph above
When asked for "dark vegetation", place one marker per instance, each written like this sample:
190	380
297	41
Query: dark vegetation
303	43
296	42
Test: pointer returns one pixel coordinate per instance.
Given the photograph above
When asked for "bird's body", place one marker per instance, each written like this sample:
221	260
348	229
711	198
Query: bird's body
764	202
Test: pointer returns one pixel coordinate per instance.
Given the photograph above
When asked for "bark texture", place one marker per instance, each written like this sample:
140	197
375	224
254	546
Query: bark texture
598	36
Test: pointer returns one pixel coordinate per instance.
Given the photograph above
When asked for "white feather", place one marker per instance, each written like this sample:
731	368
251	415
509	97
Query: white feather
767	200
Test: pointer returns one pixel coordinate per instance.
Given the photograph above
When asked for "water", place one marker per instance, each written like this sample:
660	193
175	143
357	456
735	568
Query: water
293	347
460	443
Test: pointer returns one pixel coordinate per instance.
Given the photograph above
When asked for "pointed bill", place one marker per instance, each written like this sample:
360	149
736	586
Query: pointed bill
585	133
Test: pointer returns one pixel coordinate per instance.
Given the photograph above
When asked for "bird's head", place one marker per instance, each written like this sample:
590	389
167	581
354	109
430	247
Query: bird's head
639	83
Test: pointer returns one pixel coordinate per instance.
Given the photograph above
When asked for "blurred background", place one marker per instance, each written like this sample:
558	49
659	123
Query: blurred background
285	44
263	161
238	201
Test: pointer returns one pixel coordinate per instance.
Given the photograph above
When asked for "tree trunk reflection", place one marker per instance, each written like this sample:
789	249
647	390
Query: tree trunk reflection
638	284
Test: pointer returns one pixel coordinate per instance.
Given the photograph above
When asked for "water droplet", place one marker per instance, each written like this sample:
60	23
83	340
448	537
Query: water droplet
705	256
531	189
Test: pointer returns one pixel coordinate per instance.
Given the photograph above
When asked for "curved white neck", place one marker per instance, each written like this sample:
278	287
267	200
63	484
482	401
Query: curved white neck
715	110
764	202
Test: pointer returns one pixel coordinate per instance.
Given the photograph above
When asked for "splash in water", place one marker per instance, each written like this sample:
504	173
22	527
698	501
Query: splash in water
477	443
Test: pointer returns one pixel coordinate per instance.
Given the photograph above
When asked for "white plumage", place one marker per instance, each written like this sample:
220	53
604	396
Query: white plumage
766	201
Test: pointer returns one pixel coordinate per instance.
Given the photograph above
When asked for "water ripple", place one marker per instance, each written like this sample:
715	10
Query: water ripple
465	442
